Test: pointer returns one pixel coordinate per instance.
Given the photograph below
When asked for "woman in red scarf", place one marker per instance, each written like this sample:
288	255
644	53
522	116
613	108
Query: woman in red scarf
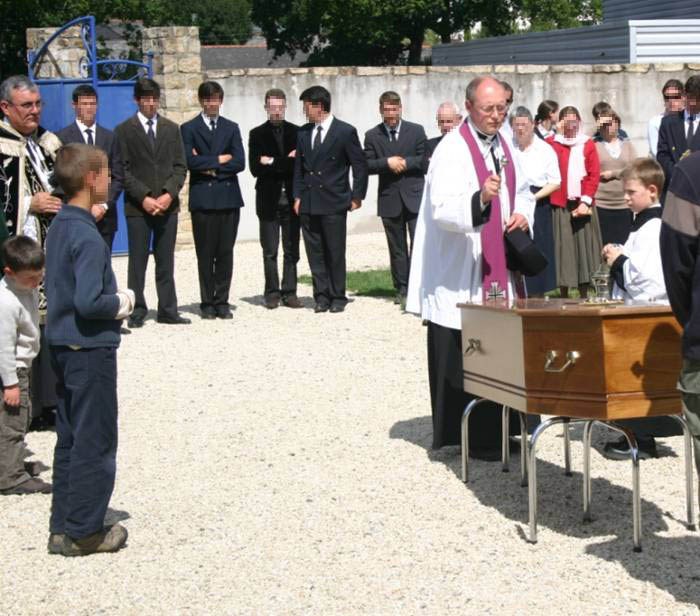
577	242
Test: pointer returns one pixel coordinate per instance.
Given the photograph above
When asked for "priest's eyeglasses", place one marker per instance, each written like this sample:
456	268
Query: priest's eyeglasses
491	109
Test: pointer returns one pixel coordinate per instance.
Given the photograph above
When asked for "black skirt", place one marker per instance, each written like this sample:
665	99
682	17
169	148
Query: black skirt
546	280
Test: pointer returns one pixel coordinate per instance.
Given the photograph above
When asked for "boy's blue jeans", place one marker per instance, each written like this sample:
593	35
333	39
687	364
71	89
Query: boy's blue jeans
84	464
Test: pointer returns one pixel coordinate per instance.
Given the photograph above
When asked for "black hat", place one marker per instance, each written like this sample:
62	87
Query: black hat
522	254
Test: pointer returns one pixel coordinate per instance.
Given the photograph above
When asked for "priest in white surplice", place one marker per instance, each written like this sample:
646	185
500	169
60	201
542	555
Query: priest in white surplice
474	192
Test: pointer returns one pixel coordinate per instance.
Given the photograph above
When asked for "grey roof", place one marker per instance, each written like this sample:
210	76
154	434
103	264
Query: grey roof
215	57
649	9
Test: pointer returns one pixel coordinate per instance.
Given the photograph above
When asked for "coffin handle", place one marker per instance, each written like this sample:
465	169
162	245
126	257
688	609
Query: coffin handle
571	357
473	346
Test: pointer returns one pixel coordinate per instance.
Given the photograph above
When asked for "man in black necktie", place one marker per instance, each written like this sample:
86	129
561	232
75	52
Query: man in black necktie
86	130
215	157
154	171
327	149
395	151
271	151
679	133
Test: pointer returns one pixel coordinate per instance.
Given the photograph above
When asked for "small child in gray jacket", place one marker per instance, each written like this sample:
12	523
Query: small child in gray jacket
23	268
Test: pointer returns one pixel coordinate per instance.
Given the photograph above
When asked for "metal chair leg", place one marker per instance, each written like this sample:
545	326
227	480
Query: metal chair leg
636	499
689	499
567	450
505	439
587	433
523	449
465	437
532	479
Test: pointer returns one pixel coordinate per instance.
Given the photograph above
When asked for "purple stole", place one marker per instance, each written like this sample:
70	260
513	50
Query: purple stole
493	250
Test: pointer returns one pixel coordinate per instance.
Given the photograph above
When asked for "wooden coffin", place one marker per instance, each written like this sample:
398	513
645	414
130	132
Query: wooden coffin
563	357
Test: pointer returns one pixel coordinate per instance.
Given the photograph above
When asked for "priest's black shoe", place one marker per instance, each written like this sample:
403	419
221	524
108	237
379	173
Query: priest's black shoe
271	302
208	312
321	308
224	312
337	308
620	450
134	321
176	320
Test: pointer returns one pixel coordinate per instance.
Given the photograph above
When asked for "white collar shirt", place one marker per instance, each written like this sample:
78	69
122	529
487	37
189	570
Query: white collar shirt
326	124
388	130
144	122
208	120
84	127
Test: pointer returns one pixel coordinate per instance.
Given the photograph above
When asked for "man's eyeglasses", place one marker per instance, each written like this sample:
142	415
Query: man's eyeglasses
28	106
672	97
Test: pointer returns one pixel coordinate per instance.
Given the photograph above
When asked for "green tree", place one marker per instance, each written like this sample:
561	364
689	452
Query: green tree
559	14
372	32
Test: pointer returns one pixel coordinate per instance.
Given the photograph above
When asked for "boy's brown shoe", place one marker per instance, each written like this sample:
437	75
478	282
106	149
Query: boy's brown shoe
110	539
31	486
55	544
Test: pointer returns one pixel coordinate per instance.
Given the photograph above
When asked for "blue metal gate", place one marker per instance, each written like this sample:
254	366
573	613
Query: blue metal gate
115	93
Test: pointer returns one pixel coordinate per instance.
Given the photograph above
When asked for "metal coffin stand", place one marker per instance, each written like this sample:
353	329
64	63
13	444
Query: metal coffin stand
581	363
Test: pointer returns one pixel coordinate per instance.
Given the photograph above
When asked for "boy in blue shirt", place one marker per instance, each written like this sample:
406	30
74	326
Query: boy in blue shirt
85	309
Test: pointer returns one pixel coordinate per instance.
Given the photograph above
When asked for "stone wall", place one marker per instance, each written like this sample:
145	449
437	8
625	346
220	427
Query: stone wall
633	90
62	61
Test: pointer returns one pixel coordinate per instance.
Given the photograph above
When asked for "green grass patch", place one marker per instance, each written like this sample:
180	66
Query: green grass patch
368	283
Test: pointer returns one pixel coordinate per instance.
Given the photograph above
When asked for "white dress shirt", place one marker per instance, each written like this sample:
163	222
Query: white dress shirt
653	133
326	124
208	120
397	129
686	122
83	127
144	122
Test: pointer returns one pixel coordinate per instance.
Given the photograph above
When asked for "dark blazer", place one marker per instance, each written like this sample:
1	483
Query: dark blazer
213	186
150	172
430	146
105	140
321	179
672	143
396	190
271	178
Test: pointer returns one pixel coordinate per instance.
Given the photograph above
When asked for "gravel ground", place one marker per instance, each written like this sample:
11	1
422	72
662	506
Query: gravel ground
280	463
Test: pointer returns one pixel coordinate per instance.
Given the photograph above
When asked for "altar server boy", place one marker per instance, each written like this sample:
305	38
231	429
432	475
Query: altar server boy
82	329
636	267
638	275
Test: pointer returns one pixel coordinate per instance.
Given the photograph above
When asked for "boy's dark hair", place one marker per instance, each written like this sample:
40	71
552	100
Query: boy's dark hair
73	162
692	87
84	90
316	95
210	89
600	108
647	171
146	87
21	253
275	93
673	83
390	97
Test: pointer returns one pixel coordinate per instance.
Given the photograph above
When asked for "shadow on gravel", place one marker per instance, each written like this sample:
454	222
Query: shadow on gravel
672	564
115	515
258	300
189	309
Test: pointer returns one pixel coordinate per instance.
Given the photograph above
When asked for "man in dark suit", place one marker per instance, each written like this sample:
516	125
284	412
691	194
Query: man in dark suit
154	172
85	130
271	149
448	116
215	156
680	132
395	151
327	149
